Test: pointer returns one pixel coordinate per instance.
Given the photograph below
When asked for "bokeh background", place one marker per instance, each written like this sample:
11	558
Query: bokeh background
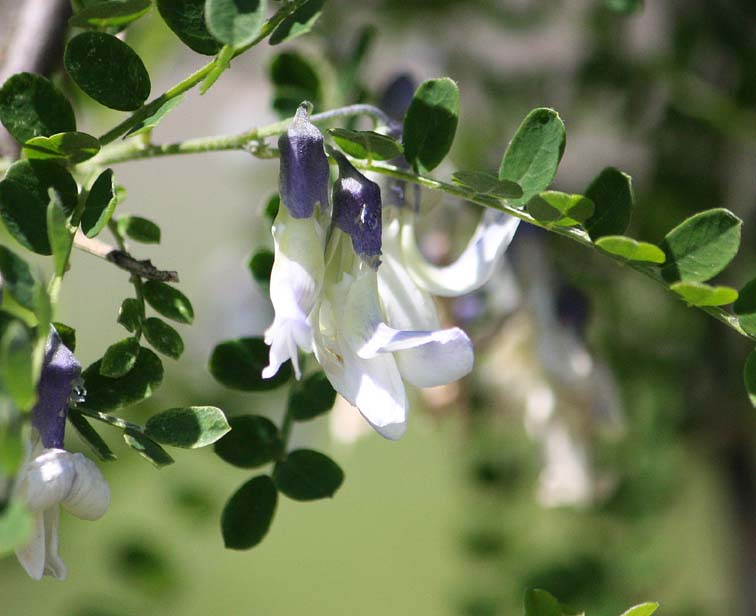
651	437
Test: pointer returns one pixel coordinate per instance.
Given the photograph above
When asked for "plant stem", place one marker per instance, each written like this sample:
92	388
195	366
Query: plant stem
111	420
136	281
242	141
193	79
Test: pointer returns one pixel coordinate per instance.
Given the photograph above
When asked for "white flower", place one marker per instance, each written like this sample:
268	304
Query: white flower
475	265
295	283
369	341
52	478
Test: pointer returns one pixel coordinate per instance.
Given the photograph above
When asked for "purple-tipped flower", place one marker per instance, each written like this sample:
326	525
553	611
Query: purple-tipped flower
303	181
357	211
60	373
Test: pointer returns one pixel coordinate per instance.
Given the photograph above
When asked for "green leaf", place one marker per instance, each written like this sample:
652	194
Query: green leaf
238	364
130	314
644	609
612	194
67	335
430	123
271	207
235	22
624	7
60	235
299	22
631	249
749	377
13	442
558	208
189	427
261	265
101	203
701	294
306	475
17	278
114	13
16	527
187	20
108	70
25	196
163	337
254	440
73	147
154	119
247	516
90	436
107	394
139	229
312	397
486	183
701	246
31	106
745	307
17	365
366	144
294	80
541	603
168	301
533	155
120	358
147	448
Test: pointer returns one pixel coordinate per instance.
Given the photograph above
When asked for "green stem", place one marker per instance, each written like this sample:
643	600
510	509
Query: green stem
243	141
111	420
193	79
136	281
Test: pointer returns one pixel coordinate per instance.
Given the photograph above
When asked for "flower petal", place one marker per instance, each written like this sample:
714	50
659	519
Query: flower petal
295	284
54	565
374	385
32	555
475	265
47	479
89	497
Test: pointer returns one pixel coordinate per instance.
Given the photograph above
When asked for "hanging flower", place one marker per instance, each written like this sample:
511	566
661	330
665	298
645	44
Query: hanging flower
369	333
53	476
297	274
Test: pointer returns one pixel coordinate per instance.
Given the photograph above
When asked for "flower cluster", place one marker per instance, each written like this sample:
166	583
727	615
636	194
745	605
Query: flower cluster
350	284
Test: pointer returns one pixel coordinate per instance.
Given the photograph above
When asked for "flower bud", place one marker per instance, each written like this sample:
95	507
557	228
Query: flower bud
304	174
60	372
357	211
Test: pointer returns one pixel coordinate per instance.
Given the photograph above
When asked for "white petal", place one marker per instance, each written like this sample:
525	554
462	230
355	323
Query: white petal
295	284
47	479
89	497
447	357
54	565
374	386
405	305
32	555
475	265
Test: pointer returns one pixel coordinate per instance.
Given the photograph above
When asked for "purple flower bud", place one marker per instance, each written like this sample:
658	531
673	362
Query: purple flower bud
303	180
397	96
357	211
60	372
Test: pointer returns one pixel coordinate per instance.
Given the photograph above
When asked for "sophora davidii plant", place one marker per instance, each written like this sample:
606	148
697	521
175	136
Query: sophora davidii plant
352	292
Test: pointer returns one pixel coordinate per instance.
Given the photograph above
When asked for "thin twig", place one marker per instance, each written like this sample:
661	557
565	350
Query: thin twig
122	259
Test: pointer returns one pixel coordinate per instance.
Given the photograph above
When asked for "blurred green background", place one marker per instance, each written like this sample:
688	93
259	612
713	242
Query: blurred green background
447	521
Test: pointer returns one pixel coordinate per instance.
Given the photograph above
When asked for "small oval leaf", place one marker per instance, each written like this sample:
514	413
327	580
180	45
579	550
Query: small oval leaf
248	513
700	247
188	427
430	123
612	196
312	397
745	307
701	294
187	20
533	155
147	448
101	203
120	358
74	147
163	337
168	301
17	278
235	22
366	144
254	440
107	394
631	249
306	475
110	14
108	70
300	21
